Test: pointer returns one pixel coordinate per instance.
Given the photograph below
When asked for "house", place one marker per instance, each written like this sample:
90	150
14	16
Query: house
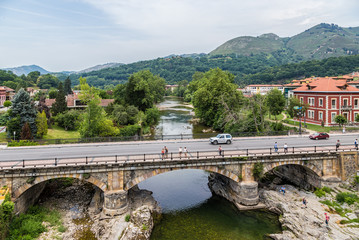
172	87
328	97
6	93
74	102
261	89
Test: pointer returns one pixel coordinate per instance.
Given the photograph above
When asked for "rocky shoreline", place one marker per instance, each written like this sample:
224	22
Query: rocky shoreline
80	207
297	221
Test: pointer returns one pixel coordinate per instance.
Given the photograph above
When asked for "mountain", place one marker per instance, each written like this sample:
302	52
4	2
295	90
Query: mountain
319	42
99	67
26	70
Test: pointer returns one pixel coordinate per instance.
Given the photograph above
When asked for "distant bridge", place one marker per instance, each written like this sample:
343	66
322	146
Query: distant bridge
116	174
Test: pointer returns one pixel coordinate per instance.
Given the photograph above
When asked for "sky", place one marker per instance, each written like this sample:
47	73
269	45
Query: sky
71	35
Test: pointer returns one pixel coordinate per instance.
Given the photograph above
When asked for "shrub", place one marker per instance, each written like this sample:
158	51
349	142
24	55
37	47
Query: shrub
319	192
356	179
346	197
7	103
22	143
327	189
258	170
127	218
130	130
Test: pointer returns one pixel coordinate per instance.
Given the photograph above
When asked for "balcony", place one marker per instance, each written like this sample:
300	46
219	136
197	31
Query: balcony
346	108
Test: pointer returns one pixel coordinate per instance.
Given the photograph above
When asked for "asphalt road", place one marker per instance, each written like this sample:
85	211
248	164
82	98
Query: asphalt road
130	148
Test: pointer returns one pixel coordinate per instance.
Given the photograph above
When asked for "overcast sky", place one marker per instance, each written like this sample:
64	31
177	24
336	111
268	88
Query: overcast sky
71	35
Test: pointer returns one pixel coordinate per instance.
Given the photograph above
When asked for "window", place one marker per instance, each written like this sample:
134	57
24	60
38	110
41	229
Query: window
356	103
345	102
320	102
334	103
301	100
310	114
333	117
311	101
320	115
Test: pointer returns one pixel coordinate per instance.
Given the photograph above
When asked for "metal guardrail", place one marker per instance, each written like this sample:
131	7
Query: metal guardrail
165	158
158	137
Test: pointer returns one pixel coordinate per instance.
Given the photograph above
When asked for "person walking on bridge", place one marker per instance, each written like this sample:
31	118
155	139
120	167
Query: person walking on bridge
276	147
220	150
180	152
285	147
337	145
356	144
166	152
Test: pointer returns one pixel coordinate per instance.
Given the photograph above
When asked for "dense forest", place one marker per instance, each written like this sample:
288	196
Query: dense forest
257	69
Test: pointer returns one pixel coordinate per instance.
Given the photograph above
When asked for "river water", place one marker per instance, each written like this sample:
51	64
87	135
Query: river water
190	211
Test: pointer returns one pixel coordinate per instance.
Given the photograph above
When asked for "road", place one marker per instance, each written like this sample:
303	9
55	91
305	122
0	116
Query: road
129	148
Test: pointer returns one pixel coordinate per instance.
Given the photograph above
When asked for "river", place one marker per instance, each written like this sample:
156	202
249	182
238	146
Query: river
190	211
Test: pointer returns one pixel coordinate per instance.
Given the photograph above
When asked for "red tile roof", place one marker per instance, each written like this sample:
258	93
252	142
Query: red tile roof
326	85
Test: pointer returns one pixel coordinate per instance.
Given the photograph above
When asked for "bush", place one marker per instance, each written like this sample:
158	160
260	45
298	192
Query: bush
7	103
319	192
127	218
346	197
258	170
130	130
22	143
69	120
327	189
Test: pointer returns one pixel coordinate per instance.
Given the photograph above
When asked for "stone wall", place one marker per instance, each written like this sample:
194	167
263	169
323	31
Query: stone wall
28	198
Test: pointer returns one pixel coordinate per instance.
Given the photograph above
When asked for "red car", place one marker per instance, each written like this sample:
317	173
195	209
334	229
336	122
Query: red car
317	136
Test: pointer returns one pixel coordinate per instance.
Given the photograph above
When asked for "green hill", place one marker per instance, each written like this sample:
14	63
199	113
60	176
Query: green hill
319	42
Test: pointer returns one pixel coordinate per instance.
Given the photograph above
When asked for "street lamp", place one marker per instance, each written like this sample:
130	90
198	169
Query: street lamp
14	135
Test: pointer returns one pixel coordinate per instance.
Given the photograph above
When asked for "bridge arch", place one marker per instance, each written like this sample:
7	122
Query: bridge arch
150	173
269	166
39	179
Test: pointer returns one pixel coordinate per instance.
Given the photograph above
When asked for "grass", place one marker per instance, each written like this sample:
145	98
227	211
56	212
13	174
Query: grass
313	127
3	137
29	225
272	117
57	132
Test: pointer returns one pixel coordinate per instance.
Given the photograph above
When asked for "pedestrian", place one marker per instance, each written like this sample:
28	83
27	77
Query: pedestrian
337	145
275	147
356	144
285	147
220	151
180	152
185	152
327	219
166	152
304	203
163	153
282	189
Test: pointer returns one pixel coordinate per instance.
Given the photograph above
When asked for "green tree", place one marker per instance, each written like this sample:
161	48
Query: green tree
95	122
152	116
41	123
275	102
33	76
67	86
69	120
47	81
7	103
60	105
340	119
293	102
143	89
6	216
257	105
26	132
52	93
215	92
23	107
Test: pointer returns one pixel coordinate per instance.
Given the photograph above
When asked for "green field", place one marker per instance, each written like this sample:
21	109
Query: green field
57	132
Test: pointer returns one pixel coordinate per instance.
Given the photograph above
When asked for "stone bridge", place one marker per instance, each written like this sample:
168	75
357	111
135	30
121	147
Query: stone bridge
115	178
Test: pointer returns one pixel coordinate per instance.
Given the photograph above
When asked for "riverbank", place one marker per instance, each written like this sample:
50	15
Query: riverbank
80	203
299	222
